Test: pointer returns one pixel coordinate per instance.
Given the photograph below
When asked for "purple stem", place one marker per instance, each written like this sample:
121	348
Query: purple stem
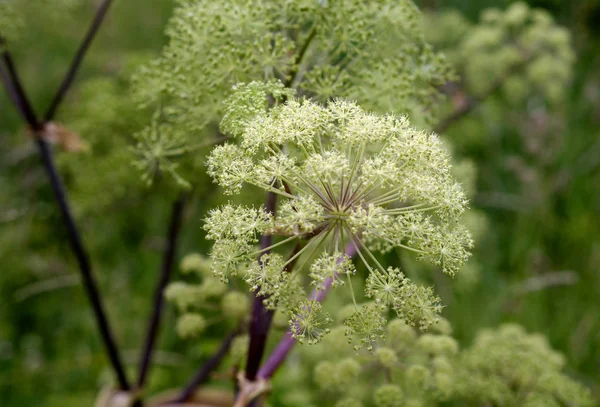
14	87
174	231
261	317
77	59
286	344
211	364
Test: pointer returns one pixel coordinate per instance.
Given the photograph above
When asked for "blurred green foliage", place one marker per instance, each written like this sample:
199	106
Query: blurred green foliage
535	177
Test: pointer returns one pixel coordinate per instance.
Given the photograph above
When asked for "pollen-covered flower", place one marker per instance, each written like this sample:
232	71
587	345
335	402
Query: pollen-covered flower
344	178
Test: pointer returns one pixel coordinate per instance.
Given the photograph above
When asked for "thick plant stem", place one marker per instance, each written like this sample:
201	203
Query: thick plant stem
81	255
203	373
76	62
166	270
280	353
261	318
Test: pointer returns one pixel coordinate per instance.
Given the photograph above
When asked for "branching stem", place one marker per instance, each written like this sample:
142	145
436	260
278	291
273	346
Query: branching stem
203	373
286	344
14	88
166	270
474	101
76	62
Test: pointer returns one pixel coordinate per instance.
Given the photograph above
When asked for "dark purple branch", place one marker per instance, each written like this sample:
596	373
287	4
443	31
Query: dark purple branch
261	318
166	269
76	62
83	262
280	353
474	101
211	364
294	73
270	313
14	88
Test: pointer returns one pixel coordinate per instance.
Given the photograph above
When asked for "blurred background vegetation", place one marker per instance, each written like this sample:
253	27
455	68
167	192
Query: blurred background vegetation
536	180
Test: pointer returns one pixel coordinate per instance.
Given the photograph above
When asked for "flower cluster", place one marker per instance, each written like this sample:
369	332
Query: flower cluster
323	49
504	367
507	365
522	44
407	368
345	178
196	300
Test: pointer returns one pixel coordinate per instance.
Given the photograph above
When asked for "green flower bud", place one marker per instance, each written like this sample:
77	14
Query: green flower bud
516	14
442	364
387	357
444	384
443	326
324	374
349	402
418	376
388	395
347	372
212	288
195	262
400	335
235	305
438	344
185	296
336	377
239	350
190	325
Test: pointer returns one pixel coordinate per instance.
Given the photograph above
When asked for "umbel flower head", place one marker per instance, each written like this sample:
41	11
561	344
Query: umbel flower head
372	51
345	178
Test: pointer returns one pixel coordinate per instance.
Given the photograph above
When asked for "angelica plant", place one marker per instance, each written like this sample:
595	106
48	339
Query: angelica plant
310	102
346	178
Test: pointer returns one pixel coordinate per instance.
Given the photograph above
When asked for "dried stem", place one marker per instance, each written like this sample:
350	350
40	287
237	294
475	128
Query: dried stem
166	270
14	88
76	62
474	101
203	373
81	255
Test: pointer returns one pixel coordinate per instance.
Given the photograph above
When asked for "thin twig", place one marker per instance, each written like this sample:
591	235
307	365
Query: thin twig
14	88
294	73
203	373
76	62
474	101
47	285
81	255
166	269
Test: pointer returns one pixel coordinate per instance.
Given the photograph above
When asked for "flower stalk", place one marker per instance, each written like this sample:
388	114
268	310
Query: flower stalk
286	344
